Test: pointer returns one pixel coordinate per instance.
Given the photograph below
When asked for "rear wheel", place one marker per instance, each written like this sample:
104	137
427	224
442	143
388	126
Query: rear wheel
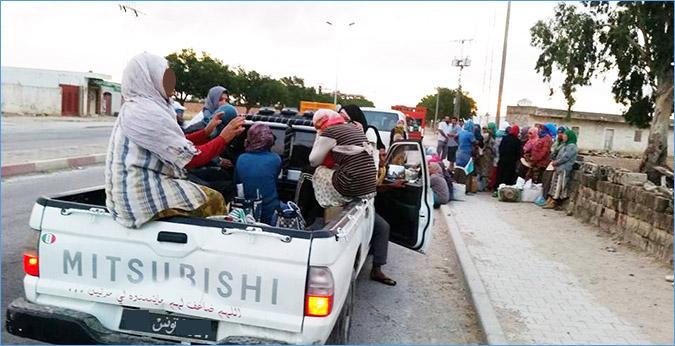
340	333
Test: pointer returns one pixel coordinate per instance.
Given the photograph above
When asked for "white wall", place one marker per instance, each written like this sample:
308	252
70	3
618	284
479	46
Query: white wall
31	100
36	91
592	135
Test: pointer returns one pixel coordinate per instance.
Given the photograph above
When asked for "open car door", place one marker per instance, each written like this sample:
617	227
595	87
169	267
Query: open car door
408	210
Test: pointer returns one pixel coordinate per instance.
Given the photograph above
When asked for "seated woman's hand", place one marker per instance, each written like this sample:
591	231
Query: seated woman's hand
215	121
225	163
233	129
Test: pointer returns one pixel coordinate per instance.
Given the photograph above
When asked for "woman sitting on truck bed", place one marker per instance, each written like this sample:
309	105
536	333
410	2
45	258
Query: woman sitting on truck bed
148	153
258	169
355	173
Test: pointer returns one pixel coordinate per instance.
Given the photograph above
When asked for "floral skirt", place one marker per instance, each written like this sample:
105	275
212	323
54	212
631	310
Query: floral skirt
325	192
558	189
214	205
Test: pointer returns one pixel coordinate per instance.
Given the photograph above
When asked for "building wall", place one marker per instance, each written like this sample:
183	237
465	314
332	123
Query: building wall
32	91
22	100
592	135
591	132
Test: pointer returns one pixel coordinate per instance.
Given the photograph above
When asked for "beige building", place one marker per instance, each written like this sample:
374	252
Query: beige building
597	131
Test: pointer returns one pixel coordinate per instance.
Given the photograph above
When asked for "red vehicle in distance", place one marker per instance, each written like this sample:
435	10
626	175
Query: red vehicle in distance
415	117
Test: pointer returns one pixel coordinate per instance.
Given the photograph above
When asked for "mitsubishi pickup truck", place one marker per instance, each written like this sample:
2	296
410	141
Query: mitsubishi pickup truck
209	281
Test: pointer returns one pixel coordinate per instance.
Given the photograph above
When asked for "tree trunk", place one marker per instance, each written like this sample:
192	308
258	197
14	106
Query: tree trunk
657	145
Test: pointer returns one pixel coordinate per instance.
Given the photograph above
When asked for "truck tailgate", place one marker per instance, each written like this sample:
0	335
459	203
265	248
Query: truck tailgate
176	267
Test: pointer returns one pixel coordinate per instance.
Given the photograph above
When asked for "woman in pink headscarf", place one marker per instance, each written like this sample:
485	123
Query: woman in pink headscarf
532	135
354	173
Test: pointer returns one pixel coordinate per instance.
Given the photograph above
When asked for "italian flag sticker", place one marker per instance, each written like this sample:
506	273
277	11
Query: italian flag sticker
48	238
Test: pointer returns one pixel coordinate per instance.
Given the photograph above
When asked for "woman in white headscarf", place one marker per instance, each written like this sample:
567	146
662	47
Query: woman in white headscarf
148	153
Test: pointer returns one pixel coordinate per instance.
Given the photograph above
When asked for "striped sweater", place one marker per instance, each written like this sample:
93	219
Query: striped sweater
138	184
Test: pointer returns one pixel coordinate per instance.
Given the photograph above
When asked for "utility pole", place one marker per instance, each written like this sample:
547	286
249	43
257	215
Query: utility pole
462	62
438	96
337	59
501	76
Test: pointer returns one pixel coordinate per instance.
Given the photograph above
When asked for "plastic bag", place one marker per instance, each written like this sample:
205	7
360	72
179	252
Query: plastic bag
458	192
520	183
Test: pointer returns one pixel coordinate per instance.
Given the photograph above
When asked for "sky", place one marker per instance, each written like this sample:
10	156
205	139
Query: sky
395	53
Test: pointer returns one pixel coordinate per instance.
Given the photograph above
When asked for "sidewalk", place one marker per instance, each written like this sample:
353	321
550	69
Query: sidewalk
551	279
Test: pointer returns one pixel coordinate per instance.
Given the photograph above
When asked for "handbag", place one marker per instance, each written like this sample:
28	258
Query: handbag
289	216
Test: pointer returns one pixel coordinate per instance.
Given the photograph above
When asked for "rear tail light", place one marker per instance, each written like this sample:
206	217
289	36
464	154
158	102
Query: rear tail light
320	289
31	264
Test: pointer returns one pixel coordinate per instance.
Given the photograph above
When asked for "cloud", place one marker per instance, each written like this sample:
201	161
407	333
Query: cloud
396	53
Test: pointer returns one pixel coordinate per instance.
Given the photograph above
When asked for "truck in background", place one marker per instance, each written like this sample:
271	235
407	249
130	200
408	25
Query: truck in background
415	120
314	106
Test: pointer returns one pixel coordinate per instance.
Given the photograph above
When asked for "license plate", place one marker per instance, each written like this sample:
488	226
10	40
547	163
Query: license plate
168	325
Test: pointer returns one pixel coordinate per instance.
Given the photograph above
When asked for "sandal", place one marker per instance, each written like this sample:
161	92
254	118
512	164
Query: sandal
382	279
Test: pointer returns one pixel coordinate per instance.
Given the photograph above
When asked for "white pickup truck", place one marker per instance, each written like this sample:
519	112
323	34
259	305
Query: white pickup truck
195	280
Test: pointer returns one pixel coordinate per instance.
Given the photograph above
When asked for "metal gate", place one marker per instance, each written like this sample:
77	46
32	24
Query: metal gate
70	99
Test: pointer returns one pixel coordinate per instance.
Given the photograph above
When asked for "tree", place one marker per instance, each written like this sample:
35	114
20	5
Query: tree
446	104
633	38
355	100
257	90
195	75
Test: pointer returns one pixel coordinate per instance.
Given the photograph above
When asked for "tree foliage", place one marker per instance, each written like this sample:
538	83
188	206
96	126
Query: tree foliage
446	104
196	74
635	39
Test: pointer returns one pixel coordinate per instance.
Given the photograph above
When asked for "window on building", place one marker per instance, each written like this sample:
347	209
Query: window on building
575	129
638	136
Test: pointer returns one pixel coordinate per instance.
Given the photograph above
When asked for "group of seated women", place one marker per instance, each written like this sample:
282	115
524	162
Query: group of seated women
150	155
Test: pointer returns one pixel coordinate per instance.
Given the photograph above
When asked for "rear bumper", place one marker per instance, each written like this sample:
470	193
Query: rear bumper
64	326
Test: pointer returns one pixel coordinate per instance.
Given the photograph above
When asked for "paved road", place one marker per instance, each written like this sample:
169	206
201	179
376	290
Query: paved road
429	304
25	140
18	196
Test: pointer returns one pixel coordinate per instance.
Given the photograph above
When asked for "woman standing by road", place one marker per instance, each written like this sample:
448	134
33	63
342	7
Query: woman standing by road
563	163
509	154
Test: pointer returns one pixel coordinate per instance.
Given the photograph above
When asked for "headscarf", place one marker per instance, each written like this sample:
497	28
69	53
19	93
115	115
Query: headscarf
229	113
532	133
531	139
515	130
493	127
500	133
259	138
571	137
212	101
434	168
478	135
356	115
523	135
334	118
551	129
468	126
147	116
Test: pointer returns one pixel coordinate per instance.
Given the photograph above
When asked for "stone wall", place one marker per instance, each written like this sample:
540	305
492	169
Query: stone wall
625	205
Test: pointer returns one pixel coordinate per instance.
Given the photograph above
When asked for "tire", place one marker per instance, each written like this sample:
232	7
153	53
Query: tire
342	328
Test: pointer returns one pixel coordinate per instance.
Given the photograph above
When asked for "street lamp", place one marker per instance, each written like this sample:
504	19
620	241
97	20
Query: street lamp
337	58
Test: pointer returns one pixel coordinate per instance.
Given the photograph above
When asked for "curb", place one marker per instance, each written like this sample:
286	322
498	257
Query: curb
494	334
51	165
